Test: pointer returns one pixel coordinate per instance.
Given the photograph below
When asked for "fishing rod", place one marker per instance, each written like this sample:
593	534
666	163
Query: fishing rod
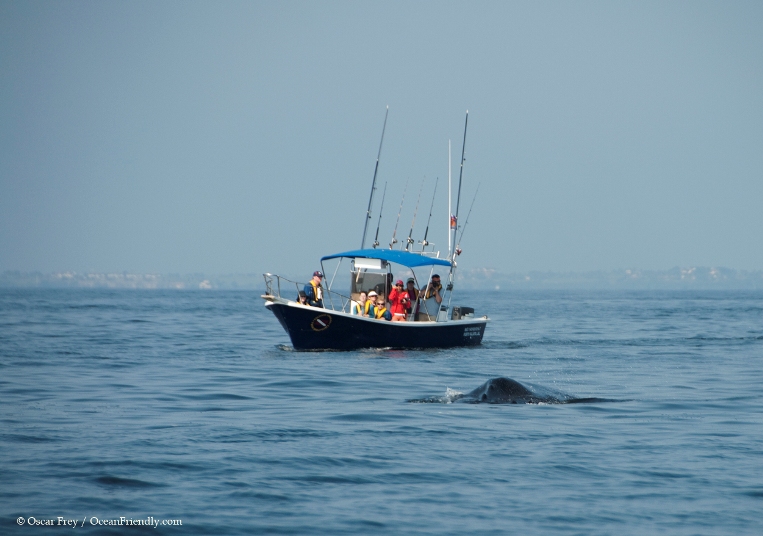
454	228
376	239
424	242
450	208
458	245
460	176
373	184
394	234
410	240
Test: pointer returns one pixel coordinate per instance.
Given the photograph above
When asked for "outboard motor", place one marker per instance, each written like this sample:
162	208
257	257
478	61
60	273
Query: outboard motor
462	312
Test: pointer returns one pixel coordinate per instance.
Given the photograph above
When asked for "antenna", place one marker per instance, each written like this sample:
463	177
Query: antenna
373	184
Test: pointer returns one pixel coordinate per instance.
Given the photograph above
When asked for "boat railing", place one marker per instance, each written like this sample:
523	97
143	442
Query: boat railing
331	299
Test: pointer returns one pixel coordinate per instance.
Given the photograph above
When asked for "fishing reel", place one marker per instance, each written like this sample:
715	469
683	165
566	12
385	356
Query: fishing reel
424	243
391	244
458	251
376	243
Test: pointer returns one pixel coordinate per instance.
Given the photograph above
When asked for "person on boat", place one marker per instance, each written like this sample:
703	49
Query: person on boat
398	300
370	307
302	298
380	311
365	304
431	296
314	291
413	295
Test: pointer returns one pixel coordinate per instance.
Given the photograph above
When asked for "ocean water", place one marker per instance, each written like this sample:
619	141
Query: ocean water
191	407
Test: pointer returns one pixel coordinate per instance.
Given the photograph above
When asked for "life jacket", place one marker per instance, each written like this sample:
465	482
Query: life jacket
430	293
366	307
317	293
380	312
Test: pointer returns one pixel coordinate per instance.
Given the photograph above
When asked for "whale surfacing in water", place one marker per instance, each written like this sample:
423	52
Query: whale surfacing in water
501	391
508	391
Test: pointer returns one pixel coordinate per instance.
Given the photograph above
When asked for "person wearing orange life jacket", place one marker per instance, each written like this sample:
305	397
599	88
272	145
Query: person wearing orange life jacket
314	291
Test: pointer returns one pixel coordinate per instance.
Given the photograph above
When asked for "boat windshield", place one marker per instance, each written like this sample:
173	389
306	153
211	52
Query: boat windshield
363	281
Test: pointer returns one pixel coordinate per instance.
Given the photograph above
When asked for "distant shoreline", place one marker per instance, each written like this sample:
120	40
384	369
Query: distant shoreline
699	278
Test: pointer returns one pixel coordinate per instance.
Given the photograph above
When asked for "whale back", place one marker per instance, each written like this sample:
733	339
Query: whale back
501	390
508	391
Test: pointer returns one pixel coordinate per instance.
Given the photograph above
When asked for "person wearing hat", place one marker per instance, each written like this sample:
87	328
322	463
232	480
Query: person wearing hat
431	297
399	302
314	291
302	298
413	295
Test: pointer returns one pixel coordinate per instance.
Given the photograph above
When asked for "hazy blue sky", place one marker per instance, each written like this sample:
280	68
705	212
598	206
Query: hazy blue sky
225	137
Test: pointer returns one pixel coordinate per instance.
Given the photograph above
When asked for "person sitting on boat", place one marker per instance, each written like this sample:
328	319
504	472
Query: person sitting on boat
399	300
314	291
413	295
431	296
302	298
371	305
365	304
380	311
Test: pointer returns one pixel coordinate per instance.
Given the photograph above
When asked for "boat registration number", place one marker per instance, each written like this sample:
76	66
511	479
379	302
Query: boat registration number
471	332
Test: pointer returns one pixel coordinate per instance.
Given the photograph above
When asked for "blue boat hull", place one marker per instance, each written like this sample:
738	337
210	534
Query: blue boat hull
312	328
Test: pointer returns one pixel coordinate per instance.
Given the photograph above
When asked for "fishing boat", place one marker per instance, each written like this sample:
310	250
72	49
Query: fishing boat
431	320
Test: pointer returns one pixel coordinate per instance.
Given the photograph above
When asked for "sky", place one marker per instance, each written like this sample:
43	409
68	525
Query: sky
241	137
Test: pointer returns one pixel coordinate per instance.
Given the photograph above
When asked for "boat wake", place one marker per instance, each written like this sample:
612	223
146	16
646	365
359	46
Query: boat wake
508	391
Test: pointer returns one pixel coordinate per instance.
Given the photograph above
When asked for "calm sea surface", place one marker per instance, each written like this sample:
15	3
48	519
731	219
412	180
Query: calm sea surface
191	406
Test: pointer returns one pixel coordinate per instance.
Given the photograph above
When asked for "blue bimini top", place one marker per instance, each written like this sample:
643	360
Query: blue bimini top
404	258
